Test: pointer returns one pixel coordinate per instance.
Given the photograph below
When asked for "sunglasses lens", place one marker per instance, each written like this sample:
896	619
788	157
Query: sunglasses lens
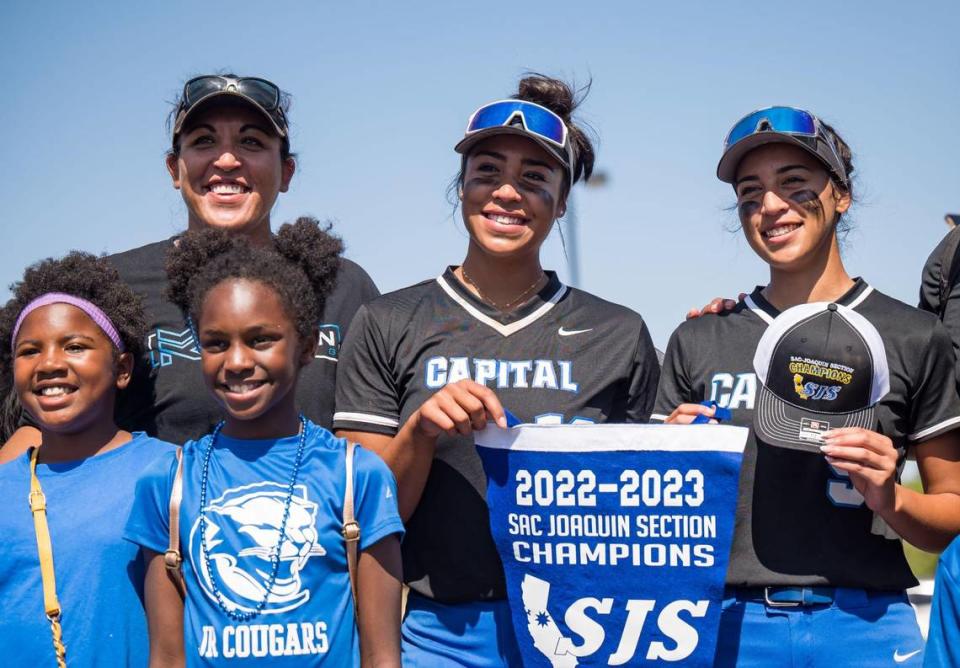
264	93
535	119
777	119
199	88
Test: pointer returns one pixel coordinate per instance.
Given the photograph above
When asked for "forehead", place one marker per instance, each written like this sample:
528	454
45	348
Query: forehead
242	299
516	147
55	320
771	157
226	110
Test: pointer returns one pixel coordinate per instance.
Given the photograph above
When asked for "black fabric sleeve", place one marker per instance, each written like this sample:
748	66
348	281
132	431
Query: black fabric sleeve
934	403
367	395
930	292
643	379
674	388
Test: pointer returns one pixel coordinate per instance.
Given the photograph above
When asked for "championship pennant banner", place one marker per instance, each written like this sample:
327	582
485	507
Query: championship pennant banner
614	538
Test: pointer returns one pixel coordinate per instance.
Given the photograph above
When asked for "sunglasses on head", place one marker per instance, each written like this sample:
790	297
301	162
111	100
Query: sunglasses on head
260	92
263	92
535	119
797	123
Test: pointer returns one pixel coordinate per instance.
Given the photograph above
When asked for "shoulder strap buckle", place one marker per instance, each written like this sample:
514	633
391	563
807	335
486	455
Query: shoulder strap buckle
351	531
172	560
38	501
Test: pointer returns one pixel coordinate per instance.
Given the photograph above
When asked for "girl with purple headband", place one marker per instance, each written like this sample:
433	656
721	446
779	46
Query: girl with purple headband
68	338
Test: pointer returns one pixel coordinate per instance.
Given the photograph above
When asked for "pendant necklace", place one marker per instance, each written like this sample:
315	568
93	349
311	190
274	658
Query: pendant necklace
506	306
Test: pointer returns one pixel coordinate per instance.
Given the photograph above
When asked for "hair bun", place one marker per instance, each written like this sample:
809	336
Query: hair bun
314	249
563	99
551	93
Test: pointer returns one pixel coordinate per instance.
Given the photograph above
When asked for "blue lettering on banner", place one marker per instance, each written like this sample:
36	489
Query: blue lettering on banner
614	539
533	374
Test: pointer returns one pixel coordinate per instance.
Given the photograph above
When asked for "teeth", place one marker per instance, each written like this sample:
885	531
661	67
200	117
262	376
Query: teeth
505	220
54	391
780	231
227	188
241	388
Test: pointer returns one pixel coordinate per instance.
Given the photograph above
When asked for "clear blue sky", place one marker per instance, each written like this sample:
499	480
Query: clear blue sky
382	91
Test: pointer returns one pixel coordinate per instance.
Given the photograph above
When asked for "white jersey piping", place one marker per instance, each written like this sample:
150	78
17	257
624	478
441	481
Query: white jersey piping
752	305
505	330
929	431
366	417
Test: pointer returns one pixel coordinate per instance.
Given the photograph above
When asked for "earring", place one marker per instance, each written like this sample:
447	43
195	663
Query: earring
460	194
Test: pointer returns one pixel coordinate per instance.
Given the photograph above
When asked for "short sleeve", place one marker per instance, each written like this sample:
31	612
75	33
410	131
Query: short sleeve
643	379
930	291
149	521
934	404
674	387
367	394
375	499
943	640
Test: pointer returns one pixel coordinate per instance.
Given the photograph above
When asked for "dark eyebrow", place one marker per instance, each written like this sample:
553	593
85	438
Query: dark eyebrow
62	339
194	128
245	128
254	126
538	163
492	154
526	161
753	177
247	330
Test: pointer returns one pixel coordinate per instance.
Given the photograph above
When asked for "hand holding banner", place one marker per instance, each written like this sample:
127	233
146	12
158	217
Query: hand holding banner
614	538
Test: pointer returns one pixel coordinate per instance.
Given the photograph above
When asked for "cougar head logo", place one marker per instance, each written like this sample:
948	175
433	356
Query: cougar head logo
242	530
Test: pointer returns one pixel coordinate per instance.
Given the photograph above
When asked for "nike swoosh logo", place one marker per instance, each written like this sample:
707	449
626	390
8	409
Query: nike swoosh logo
900	658
571	332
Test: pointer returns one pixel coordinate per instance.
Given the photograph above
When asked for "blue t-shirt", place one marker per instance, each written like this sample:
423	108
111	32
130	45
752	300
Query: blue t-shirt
943	640
309	615
99	575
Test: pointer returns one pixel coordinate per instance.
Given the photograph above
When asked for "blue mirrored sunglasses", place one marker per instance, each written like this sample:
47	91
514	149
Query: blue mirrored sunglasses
533	118
785	120
789	121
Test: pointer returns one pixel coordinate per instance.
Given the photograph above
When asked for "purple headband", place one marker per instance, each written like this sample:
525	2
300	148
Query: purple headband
89	308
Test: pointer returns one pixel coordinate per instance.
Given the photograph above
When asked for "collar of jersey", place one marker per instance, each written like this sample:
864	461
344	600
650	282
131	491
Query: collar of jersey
767	311
504	323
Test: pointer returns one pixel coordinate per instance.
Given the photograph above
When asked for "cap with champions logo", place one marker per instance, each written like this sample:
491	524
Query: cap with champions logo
821	366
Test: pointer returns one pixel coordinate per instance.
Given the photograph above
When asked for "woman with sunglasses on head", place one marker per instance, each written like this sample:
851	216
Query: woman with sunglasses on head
425	366
230	159
816	571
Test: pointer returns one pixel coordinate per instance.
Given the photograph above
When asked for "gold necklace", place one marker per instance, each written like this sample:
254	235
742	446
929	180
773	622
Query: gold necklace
507	305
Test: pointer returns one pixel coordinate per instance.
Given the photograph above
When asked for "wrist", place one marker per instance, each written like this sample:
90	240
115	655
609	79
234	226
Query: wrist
419	434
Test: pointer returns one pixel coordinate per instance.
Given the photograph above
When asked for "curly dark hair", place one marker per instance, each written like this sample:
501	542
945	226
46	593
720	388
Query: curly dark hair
301	267
81	275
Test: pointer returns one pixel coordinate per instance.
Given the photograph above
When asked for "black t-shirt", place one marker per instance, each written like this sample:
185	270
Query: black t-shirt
799	521
167	397
930	290
565	356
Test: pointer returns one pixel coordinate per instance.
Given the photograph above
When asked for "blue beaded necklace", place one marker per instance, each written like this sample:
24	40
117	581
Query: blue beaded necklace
275	555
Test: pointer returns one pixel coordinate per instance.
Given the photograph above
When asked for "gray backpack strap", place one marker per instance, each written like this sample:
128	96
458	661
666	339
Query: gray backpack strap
351	528
172	558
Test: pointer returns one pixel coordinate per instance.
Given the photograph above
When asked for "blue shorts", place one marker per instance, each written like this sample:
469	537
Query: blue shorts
477	634
860	628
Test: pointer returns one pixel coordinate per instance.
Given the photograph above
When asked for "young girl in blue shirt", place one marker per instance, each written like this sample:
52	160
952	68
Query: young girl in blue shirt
71	586
265	562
